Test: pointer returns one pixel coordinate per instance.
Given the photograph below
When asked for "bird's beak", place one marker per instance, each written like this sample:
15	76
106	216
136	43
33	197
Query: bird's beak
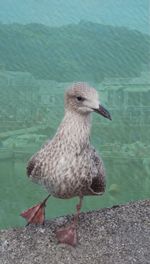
102	111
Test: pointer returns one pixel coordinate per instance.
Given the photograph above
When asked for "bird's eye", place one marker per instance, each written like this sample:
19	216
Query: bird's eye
80	98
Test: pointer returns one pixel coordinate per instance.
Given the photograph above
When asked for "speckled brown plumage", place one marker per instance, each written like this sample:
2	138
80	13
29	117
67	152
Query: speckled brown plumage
68	165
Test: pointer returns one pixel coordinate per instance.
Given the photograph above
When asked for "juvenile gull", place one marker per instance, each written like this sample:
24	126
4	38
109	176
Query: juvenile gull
68	165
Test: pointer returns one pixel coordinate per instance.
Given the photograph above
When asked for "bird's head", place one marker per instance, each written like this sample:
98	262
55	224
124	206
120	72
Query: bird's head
84	99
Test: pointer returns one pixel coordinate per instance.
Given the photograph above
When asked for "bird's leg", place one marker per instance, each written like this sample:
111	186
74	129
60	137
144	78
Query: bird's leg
36	214
68	235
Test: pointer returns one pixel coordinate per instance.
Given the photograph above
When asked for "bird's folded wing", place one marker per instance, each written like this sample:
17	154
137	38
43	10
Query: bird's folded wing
98	178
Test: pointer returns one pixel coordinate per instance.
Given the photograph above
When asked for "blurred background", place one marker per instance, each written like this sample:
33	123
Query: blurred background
44	47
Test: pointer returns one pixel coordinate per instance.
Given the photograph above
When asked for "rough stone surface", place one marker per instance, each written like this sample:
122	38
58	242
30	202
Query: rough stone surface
119	235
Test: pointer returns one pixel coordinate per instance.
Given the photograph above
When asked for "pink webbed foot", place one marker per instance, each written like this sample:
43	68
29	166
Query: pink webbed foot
35	214
67	235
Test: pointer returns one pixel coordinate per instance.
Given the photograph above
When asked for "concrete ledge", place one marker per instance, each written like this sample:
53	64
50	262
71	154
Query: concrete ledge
119	235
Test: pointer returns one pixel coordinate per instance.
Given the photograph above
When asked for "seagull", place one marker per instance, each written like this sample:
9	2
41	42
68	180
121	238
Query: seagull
68	165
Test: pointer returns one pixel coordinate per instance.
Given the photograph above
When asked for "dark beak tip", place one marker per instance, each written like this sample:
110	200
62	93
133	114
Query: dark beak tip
103	111
110	118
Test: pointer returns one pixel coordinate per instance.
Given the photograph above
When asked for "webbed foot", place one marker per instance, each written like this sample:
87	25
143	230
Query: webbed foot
67	235
35	214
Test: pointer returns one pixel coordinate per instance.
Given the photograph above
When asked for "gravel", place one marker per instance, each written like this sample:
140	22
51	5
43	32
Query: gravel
117	235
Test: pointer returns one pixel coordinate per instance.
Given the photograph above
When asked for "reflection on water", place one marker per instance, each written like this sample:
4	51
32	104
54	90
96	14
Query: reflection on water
123	144
37	63
128	180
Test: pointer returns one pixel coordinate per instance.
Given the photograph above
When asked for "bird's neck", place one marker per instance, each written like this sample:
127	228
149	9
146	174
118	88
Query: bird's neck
75	128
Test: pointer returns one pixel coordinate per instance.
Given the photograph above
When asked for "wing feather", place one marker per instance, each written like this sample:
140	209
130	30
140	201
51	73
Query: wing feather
98	181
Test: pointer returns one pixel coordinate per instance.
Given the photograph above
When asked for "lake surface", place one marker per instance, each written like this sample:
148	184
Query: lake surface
26	124
45	46
127	180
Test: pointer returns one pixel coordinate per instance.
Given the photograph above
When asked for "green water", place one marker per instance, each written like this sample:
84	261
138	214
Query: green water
41	54
18	193
127	179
